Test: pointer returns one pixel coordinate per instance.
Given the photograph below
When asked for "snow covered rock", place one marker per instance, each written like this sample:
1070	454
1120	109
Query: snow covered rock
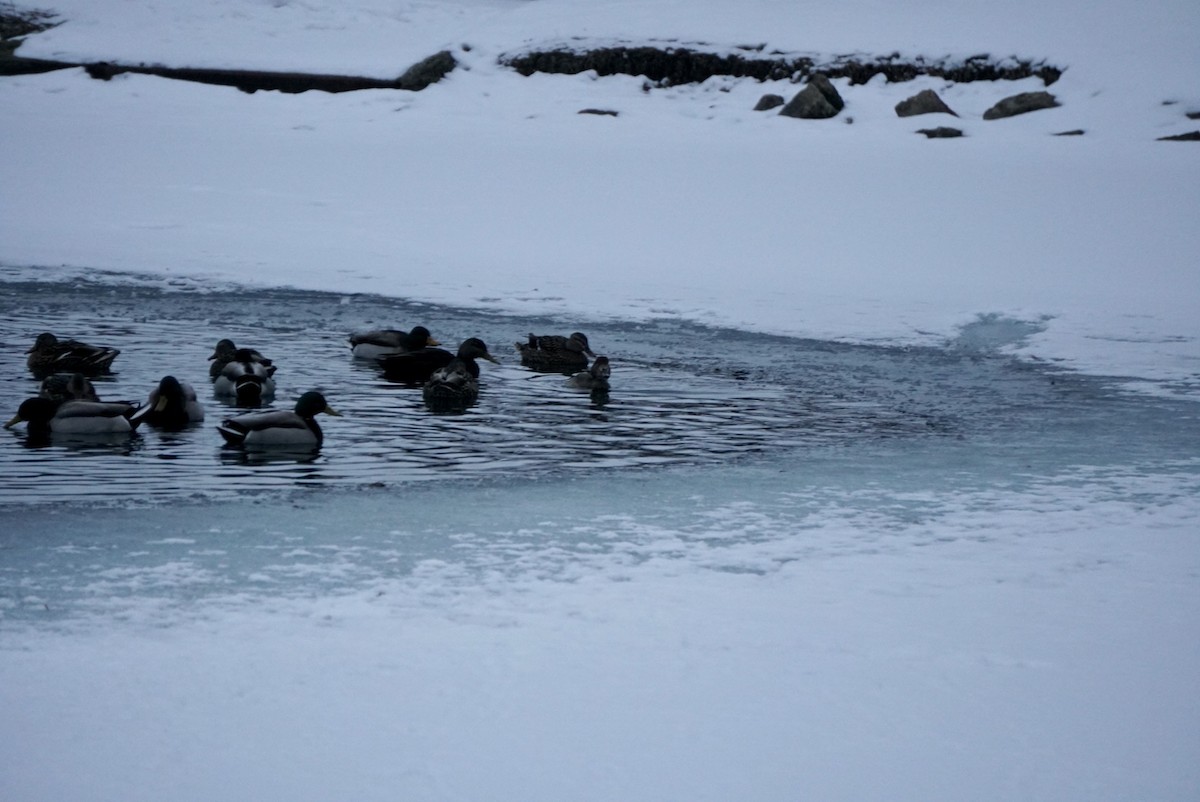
427	71
818	100
924	102
768	102
1021	104
941	132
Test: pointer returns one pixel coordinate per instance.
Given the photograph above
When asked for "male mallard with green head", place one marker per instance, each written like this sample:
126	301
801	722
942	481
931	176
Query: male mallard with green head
226	352
386	342
295	428
418	366
245	379
172	405
44	415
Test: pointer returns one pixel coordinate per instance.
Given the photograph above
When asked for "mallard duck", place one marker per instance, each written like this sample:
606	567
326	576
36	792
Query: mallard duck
172	405
52	355
245	379
594	378
75	417
226	352
385	342
418	366
554	352
452	387
280	427
61	387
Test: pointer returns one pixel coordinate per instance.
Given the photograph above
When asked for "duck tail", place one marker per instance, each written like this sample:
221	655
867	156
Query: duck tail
136	414
232	436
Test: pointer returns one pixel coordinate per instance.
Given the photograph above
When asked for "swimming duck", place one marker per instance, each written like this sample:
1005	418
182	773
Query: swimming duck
452	386
52	355
74	417
245	379
280	427
61	387
171	405
226	352
418	366
554	352
385	342
594	378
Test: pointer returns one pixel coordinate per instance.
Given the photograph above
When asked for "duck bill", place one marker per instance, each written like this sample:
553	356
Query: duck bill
491	358
15	420
331	411
432	342
161	404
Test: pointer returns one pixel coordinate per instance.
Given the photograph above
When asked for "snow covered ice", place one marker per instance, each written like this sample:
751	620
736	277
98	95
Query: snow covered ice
992	596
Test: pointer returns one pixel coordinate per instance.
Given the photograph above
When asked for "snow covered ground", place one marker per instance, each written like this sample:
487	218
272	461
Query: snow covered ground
734	634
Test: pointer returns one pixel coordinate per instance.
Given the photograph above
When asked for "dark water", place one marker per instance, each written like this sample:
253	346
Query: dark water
682	395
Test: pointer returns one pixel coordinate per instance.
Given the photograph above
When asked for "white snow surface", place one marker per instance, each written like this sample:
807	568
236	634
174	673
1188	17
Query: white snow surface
1036	643
490	189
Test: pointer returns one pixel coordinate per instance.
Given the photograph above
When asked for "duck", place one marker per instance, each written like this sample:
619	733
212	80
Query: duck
171	405
594	378
281	427
44	415
555	352
226	352
52	355
385	342
245	379
418	366
452	386
61	387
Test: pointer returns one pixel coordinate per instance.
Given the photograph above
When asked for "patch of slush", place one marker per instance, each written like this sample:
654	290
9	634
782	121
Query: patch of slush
68	567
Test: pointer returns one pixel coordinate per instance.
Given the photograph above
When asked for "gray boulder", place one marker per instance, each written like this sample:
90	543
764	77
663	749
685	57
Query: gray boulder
924	102
767	102
427	71
818	100
941	132
1021	104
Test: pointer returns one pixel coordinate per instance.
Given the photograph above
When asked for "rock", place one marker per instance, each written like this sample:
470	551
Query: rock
1190	136
671	66
818	100
1193	115
823	84
427	71
924	102
767	102
941	132
601	112
1021	104
1075	132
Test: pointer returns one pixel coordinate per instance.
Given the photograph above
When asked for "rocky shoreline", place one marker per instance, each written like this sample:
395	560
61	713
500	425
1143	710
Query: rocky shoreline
659	66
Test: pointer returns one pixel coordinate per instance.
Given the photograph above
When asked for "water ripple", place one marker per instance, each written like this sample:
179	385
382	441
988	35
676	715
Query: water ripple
682	395
660	411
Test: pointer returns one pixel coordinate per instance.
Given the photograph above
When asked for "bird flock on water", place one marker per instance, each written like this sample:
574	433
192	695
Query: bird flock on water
68	403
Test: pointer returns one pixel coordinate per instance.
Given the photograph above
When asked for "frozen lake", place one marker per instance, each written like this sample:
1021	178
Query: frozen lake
776	550
739	438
